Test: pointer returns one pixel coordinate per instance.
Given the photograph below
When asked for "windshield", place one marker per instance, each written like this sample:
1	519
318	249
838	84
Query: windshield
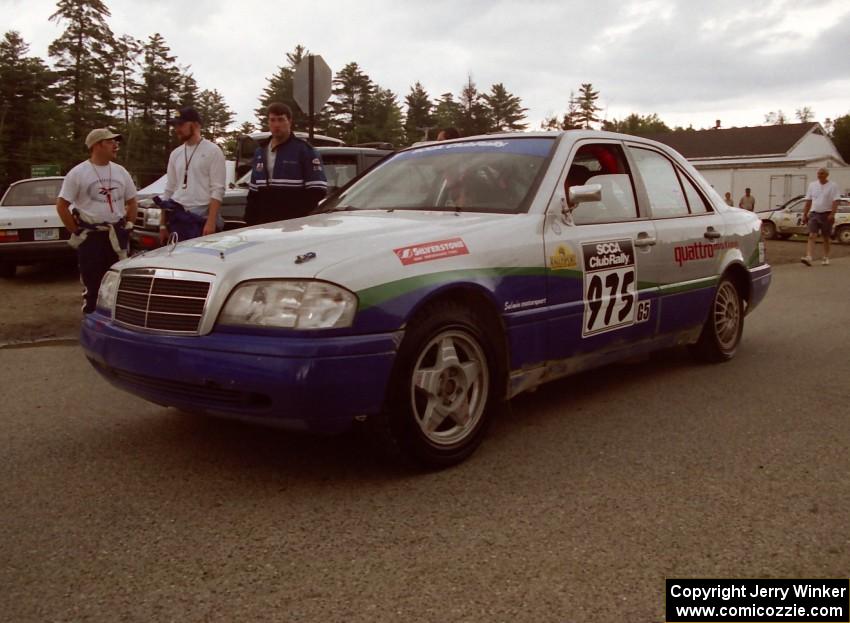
34	193
488	175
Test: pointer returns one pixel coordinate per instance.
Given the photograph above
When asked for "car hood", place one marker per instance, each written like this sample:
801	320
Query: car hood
29	216
306	246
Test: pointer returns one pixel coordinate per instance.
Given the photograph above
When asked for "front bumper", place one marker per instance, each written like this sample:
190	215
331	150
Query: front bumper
317	384
31	252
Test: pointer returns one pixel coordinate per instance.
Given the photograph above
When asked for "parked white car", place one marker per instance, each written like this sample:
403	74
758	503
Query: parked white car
30	229
446	280
786	221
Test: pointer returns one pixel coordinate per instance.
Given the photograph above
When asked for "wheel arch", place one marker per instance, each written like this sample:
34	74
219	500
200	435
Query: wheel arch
740	276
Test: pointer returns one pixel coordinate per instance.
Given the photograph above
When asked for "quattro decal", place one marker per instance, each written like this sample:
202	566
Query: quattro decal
610	283
429	251
700	250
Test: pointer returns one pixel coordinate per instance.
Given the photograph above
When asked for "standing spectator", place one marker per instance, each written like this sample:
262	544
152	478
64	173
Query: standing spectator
104	199
728	198
447	134
197	174
747	202
287	176
819	214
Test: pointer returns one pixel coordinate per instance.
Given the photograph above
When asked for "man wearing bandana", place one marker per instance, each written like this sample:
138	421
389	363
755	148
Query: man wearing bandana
97	204
287	176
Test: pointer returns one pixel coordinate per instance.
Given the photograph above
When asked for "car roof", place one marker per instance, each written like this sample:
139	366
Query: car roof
35	179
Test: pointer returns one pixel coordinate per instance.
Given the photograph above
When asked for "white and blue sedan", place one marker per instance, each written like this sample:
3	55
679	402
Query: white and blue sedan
443	282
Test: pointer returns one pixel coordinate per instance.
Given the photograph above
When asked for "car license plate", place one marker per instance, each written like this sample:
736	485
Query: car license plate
51	233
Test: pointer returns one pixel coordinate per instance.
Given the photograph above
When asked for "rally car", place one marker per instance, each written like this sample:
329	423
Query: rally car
787	221
448	279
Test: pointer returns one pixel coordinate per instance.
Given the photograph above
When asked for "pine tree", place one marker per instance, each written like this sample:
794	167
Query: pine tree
33	129
447	112
279	89
418	120
571	117
505	110
82	58
637	125
473	113
350	107
126	52
187	90
841	136
383	120
215	113
587	107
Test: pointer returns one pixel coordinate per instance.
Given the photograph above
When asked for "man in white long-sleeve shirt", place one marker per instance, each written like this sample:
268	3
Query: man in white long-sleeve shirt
196	173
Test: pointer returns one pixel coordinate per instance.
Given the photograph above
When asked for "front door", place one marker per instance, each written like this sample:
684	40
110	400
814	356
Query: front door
600	259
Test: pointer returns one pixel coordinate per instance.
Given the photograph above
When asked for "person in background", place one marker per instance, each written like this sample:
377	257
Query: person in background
104	199
728	198
197	175
287	176
447	134
819	214
747	202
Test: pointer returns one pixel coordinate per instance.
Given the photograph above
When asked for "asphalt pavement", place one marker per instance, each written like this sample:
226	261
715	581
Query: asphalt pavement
576	508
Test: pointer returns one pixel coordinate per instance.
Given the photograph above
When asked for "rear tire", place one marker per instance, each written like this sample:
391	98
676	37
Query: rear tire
445	386
842	234
724	326
7	270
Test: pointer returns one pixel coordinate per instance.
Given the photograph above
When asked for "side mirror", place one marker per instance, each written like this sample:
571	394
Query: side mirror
583	194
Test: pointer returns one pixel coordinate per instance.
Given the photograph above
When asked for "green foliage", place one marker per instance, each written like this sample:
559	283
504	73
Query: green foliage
474	115
419	119
587	108
505	110
215	113
32	125
841	136
637	125
83	63
447	112
279	89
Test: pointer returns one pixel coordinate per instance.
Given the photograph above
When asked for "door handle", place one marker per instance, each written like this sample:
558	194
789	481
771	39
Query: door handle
645	240
711	234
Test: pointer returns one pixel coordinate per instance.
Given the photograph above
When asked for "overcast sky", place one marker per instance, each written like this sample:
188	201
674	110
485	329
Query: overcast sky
689	61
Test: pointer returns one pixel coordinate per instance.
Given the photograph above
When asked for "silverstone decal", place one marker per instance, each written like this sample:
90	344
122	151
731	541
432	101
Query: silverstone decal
610	280
428	251
700	251
563	258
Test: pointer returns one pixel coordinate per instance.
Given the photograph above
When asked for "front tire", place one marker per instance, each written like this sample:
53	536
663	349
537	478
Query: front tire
724	326
768	230
444	388
842	234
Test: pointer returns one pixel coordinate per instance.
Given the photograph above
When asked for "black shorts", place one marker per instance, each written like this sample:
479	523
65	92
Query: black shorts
819	223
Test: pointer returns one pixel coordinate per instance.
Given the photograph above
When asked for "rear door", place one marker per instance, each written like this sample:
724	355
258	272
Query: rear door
690	238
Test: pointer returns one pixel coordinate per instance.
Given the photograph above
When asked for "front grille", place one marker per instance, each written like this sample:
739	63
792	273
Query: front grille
154	302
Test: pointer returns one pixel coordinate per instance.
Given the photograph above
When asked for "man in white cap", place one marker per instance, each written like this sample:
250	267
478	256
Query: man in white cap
104	207
197	174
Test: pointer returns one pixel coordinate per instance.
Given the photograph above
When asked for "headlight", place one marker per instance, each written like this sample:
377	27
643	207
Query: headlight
290	304
153	216
108	290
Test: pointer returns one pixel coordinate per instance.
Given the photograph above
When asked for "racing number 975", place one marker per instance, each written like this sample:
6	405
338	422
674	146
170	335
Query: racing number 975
620	293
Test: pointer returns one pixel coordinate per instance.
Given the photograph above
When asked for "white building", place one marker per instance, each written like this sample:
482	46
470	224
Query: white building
776	162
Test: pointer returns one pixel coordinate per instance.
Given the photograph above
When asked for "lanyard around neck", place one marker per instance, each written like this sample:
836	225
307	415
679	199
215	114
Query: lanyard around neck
188	161
104	189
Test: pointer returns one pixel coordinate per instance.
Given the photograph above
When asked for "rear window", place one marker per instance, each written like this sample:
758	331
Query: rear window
34	193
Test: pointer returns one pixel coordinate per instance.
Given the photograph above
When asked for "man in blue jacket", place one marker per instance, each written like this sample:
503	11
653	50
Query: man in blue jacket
287	178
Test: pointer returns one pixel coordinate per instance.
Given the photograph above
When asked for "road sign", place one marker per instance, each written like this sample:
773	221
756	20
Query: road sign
311	85
44	170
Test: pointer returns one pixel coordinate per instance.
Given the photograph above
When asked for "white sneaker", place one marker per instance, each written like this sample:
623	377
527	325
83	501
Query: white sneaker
825	261
807	260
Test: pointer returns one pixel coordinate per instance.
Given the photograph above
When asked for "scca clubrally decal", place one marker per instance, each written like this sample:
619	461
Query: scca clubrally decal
610	286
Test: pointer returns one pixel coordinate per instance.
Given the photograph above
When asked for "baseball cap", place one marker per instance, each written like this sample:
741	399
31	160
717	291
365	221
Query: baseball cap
101	134
186	114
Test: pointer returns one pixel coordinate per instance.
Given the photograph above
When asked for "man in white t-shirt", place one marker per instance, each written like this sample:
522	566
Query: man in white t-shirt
819	214
196	174
104	208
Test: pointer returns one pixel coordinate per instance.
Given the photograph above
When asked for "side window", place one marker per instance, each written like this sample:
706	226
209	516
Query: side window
844	207
798	207
696	202
666	197
603	164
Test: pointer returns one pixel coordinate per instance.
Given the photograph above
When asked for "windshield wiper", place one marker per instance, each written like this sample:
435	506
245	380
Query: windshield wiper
345	208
